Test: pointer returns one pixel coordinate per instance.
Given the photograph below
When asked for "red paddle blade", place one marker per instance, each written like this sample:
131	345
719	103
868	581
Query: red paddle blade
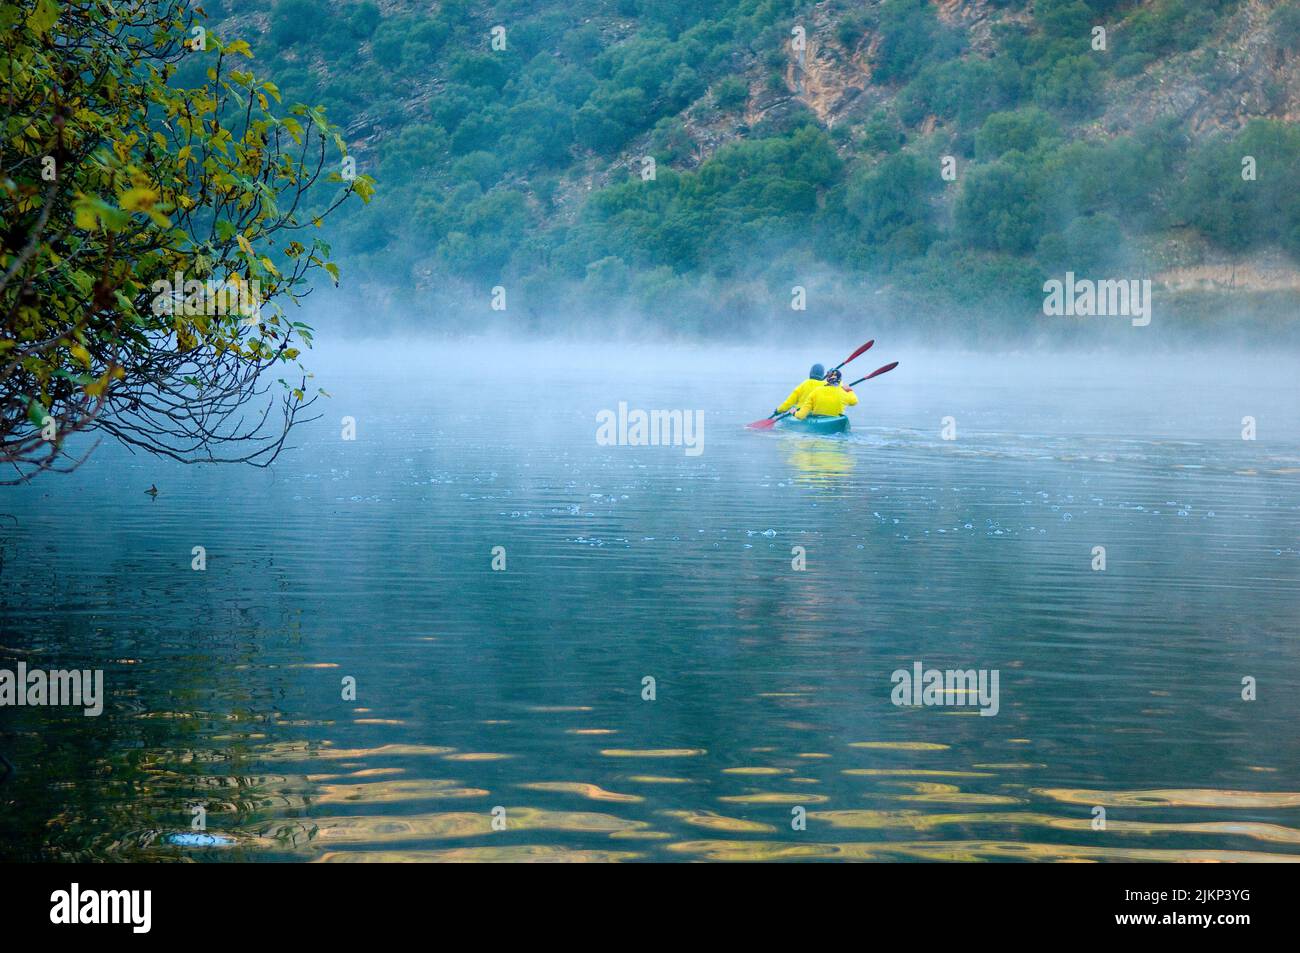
766	423
876	373
862	350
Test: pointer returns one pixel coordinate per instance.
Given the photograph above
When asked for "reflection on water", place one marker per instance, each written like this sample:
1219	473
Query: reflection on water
503	716
818	460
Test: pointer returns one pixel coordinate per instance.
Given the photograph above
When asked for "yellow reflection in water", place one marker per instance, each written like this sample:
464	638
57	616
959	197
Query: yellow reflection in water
556	709
1189	797
640	835
387	792
900	745
917	821
478	756
935	793
589	791
521	854
775	797
383	830
742	851
720	822
758	770
363	773
819	461
383	751
652	752
915	773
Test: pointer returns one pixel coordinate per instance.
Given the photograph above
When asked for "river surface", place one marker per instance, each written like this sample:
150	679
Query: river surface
679	656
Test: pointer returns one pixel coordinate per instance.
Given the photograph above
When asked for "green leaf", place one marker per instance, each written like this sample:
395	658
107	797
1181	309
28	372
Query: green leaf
43	17
36	413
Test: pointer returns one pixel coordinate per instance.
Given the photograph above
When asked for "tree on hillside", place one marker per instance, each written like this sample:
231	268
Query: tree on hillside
146	235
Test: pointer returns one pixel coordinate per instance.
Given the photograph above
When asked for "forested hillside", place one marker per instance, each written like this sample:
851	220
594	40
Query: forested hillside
799	143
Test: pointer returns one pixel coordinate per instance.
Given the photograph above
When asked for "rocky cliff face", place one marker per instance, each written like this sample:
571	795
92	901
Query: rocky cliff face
1238	73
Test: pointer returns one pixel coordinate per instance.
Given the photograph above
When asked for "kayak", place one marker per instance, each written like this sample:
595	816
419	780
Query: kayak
815	423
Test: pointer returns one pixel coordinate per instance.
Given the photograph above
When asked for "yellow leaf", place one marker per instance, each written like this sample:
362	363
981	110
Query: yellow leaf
137	199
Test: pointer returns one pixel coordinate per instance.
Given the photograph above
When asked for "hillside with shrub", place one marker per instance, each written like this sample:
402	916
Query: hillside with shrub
691	163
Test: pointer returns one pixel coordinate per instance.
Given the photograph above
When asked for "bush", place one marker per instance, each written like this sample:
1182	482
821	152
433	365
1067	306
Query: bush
731	93
1001	206
1286	26
1022	130
1064	18
485	168
364	19
291	21
891	205
1091	245
910	35
880	133
1072	85
1239	214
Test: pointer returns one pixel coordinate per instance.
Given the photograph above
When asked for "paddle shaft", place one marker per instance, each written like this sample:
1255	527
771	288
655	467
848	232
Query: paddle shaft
858	353
876	373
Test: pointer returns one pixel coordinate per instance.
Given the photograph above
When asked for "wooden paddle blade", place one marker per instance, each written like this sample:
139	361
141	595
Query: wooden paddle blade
862	350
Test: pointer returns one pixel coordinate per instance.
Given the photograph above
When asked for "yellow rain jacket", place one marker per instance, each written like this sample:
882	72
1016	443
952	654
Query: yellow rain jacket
799	393
826	401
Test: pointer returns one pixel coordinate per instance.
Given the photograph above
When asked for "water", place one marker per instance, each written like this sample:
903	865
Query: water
522	689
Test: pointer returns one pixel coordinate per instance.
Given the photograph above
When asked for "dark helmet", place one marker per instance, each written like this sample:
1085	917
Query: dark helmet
833	377
817	372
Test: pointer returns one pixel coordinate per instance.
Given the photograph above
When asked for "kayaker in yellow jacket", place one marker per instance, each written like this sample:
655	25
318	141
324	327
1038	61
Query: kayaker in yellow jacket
797	395
829	400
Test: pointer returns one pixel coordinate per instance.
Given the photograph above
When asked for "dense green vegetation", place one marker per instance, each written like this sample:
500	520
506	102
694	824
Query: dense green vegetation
523	167
149	235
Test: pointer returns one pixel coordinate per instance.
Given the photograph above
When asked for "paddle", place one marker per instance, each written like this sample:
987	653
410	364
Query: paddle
876	373
770	422
765	424
858	353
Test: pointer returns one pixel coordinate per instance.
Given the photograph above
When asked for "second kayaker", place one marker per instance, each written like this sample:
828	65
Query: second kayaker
828	400
815	375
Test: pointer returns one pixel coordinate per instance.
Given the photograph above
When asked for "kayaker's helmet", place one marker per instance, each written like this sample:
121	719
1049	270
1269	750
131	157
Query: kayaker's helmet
833	377
817	372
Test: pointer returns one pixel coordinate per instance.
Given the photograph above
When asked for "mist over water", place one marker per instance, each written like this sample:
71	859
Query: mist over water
523	688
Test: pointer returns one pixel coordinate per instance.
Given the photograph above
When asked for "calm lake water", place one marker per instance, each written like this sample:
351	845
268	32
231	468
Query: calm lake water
521	691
